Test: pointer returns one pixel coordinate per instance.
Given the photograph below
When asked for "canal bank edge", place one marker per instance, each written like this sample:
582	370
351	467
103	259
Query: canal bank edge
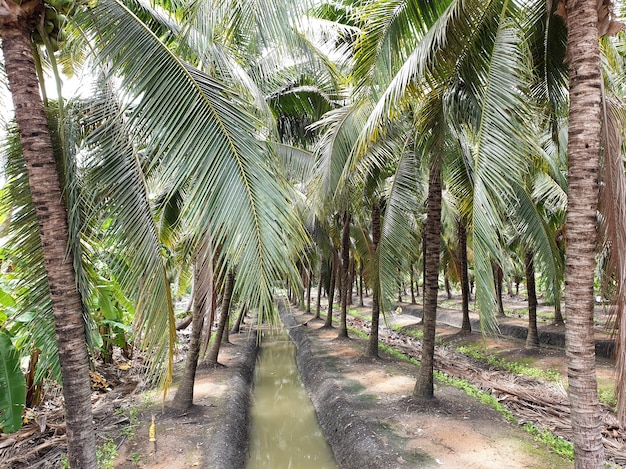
229	447
352	440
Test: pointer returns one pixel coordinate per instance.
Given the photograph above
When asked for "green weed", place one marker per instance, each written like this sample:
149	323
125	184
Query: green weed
479	353
557	444
106	455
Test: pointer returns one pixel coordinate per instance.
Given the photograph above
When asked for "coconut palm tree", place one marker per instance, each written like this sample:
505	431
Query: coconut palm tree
16	24
584	135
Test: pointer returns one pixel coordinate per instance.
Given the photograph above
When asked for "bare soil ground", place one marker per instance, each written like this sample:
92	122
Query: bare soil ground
454	431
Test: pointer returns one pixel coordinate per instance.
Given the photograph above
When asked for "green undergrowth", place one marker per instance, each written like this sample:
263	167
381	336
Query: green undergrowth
559	445
480	353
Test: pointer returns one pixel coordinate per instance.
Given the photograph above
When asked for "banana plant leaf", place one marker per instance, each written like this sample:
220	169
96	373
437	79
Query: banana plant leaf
12	386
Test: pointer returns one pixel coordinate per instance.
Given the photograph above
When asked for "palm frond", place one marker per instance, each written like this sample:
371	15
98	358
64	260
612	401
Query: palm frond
34	306
200	134
118	190
398	230
335	147
391	29
499	133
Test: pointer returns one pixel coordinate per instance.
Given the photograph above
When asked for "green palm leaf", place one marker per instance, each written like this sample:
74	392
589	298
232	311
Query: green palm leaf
12	386
199	134
119	195
499	133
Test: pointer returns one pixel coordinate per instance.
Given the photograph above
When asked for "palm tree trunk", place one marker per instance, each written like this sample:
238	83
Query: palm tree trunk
424	385
331	292
309	280
585	83
47	198
202	292
466	325
412	281
219	333
351	277
318	300
236	329
361	285
447	285
532	339
345	275
372	347
497	278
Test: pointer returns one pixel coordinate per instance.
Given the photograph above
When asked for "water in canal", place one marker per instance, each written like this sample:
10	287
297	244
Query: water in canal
285	433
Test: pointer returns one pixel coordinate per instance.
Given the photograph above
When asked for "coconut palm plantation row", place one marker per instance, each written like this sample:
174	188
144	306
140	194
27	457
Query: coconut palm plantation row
231	148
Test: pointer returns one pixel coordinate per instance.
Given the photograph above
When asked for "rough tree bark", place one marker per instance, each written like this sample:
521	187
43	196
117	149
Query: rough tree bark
585	82
219	333
466	325
331	292
16	24
372	347
345	275
532	339
202	293
424	384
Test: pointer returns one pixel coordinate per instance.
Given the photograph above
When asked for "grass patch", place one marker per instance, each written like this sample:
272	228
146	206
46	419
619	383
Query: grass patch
480	353
559	445
106	455
606	395
129	430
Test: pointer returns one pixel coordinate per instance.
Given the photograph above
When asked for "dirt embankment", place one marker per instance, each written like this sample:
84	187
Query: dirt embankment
354	441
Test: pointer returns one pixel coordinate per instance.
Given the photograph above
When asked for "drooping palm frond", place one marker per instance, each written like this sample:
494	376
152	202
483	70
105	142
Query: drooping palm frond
546	39
435	58
34	306
391	30
296	164
495	71
198	133
404	202
115	180
335	148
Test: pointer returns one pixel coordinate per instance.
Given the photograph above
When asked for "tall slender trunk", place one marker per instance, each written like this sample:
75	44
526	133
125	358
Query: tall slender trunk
412	280
361	285
309	280
51	214
466	325
345	275
219	333
424	384
208	325
372	347
318	300
558	315
202	292
585	83
446	281
532	339
331	291
351	277
236	329
497	278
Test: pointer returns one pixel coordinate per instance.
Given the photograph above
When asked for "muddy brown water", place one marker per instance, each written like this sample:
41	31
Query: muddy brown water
285	432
